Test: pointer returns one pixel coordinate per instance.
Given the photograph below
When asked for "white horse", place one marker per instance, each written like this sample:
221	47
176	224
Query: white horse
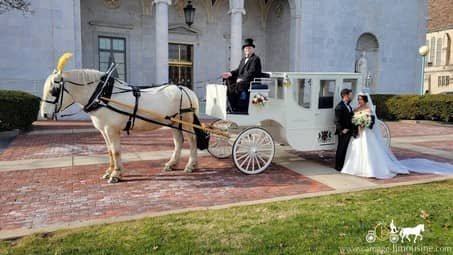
417	231
62	88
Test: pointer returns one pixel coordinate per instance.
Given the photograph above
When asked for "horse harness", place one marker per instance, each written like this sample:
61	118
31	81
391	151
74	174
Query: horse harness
104	89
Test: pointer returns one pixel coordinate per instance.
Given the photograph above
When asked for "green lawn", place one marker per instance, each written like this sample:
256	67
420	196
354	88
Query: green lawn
323	225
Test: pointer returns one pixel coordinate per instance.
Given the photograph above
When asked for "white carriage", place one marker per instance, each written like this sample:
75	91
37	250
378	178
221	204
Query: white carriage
298	111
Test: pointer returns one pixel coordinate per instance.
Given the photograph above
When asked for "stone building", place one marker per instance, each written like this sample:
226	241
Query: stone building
152	44
439	61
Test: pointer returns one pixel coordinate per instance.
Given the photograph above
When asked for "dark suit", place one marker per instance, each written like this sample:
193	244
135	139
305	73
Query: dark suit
247	71
343	120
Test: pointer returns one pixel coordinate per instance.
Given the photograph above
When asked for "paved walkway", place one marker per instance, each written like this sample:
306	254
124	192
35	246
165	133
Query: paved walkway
51	176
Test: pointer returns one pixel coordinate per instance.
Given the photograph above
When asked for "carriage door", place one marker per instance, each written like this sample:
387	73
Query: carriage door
180	64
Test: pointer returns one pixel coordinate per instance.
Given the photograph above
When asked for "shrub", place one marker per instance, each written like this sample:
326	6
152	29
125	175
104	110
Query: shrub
413	107
18	109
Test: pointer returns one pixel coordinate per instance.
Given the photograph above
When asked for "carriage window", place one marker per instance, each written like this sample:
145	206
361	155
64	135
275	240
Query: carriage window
303	93
326	93
112	50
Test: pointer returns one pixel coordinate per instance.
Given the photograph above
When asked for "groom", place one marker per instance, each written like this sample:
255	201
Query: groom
343	123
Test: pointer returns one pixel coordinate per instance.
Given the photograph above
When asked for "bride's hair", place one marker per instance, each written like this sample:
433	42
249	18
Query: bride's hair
364	97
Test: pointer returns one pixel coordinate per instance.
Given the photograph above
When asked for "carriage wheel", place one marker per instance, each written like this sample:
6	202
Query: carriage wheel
253	150
385	131
382	231
220	146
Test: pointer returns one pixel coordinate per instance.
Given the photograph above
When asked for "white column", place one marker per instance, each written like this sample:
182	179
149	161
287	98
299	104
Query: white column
295	44
161	23
236	11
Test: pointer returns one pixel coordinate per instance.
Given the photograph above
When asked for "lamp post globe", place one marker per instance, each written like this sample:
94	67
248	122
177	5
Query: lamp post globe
423	50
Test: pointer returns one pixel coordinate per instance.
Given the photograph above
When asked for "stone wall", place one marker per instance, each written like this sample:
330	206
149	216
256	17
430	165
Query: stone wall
31	44
331	28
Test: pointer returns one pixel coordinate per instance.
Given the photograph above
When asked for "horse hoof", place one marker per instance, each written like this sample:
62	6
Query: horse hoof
114	179
168	169
188	170
106	176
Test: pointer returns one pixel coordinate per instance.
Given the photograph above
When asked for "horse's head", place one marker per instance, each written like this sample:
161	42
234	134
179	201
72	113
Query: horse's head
53	100
422	227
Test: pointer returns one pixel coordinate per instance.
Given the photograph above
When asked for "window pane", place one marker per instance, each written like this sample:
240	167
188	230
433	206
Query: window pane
173	52
304	92
118	44
438	51
431	49
104	56
103	67
186	76
121	68
104	43
173	74
186	53
119	58
326	93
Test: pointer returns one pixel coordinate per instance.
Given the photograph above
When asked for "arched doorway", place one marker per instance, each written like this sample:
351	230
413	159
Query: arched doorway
368	47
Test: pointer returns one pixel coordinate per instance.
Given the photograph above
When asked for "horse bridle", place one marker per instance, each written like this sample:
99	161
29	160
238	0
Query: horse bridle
58	91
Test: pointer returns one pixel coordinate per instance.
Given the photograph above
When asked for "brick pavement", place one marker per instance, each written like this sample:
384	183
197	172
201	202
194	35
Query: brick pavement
37	198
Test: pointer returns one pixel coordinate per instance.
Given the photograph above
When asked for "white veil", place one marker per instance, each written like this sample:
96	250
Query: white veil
419	165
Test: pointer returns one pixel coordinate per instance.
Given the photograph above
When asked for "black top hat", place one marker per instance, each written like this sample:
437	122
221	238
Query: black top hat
248	42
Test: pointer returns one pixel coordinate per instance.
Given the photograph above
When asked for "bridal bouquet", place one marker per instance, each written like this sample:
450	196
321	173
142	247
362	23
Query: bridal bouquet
362	119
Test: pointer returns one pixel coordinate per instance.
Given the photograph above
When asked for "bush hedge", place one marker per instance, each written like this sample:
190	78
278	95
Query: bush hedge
413	107
18	109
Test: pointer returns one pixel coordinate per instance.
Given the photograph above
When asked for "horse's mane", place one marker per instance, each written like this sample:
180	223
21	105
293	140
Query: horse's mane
83	76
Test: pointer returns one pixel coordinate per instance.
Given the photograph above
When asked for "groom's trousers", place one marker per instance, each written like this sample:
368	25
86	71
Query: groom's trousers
343	141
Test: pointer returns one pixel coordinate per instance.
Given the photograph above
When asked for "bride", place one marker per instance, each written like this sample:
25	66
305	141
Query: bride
368	156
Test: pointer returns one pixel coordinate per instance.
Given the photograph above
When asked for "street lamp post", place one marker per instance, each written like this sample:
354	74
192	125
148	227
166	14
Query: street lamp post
423	51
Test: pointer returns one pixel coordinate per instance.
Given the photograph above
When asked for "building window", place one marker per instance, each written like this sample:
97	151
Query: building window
439	51
431	51
448	50
113	50
180	64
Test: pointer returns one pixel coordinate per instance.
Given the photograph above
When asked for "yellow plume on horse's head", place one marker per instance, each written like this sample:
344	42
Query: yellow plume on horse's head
63	60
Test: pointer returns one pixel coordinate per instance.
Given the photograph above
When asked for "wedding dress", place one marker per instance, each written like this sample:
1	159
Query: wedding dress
369	156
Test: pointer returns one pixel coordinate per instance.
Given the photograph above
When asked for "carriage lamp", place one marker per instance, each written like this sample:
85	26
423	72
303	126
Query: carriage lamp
423	51
189	13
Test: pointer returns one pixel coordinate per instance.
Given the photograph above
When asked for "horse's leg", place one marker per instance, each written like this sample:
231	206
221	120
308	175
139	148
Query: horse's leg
178	140
193	154
111	167
114	137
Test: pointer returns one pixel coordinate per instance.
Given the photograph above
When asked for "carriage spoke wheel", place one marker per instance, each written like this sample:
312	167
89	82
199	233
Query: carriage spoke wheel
385	131
253	150
220	146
